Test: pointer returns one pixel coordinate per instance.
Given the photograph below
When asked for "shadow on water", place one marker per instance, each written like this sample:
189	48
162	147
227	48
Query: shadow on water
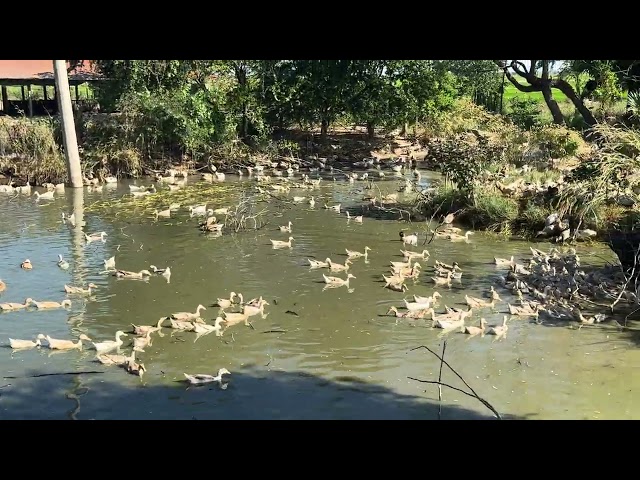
249	394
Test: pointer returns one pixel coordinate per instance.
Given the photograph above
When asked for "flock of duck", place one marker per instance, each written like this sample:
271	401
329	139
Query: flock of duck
540	279
183	321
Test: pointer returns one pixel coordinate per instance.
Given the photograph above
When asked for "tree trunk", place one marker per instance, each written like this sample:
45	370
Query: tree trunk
556	113
245	120
570	93
371	131
405	127
241	78
323	129
538	84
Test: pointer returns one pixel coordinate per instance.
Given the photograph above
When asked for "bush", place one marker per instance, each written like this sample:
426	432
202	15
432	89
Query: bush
464	116
558	141
463	158
494	210
34	143
444	199
524	112
535	215
28	138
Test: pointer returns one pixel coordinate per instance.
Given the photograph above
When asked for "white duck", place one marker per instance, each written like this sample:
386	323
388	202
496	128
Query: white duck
19	344
139	343
200	378
94	237
499	329
43	196
110	359
55	344
351	254
79	290
286	228
357	219
337	281
110	263
184	316
108	345
201	328
144	329
62	263
225	302
281	244
319	264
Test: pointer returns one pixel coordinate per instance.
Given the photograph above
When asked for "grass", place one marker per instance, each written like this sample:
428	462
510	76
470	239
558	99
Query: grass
541	177
510	91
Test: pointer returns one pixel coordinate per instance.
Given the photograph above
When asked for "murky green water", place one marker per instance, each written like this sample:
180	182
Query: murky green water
337	357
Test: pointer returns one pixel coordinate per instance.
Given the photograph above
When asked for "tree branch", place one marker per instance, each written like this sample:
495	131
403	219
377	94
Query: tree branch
519	68
473	393
512	79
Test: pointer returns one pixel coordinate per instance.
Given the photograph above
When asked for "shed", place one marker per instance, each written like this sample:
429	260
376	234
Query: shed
27	74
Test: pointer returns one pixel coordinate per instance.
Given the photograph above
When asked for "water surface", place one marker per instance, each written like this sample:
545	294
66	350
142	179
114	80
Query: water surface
318	354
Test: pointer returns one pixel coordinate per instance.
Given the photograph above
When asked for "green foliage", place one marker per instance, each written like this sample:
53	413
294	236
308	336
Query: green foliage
633	99
524	112
463	158
179	121
557	140
494	211
608	91
463	116
474	76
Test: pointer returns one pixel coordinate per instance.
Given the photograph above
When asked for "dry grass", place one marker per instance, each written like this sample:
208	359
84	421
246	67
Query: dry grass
28	149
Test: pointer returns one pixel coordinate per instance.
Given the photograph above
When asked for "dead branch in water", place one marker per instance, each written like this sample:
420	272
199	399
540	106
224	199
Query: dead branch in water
444	348
382	208
237	219
473	394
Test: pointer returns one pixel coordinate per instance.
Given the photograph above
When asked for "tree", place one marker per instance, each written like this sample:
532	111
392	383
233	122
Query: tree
474	76
396	93
544	83
607	78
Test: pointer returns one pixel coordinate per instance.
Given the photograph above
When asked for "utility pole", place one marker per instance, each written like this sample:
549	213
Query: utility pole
71	154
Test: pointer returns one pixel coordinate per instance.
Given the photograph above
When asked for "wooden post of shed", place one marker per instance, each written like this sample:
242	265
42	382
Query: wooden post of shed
30	93
44	92
22	92
5	99
77	93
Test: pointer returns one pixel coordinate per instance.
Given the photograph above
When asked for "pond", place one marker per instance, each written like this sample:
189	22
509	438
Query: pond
318	354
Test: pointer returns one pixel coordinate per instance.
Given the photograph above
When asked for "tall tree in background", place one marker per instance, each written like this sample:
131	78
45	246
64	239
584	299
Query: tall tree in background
540	80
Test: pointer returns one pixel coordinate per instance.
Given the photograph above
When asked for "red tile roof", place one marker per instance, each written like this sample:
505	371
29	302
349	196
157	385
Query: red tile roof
40	69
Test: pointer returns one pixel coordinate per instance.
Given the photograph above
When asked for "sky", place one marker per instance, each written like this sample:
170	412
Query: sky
554	69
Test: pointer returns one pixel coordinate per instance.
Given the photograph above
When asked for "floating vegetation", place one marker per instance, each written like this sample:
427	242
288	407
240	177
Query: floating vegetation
215	195
233	207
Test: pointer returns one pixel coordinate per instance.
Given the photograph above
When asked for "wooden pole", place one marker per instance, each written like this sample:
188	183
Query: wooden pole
63	96
30	93
502	91
5	99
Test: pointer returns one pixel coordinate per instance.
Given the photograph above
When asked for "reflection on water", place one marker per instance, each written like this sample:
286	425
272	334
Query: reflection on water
319	353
